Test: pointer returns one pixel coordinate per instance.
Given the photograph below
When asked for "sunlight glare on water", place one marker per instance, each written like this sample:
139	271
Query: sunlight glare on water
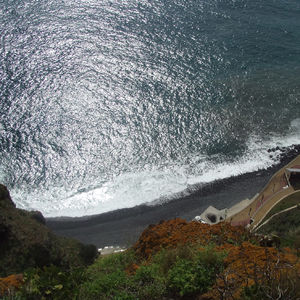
111	104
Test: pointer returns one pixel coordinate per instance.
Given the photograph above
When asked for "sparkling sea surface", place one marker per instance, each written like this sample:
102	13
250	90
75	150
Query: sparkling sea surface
110	104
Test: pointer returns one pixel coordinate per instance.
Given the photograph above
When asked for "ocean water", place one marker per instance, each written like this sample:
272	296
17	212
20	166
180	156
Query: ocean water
110	104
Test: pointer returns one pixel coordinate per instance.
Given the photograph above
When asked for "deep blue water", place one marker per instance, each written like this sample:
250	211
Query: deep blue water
110	104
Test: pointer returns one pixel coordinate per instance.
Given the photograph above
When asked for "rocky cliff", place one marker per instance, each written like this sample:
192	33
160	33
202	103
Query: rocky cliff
26	242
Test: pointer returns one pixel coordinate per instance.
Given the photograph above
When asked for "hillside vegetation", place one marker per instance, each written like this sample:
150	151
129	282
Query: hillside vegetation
284	224
26	242
177	260
289	201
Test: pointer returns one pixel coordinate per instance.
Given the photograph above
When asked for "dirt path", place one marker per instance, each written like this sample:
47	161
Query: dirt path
283	211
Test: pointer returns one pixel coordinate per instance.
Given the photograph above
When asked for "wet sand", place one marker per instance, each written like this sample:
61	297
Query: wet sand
123	227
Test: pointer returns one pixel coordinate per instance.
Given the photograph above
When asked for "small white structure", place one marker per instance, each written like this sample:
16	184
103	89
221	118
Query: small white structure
211	216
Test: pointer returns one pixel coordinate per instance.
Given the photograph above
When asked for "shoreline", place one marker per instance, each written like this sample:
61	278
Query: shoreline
123	227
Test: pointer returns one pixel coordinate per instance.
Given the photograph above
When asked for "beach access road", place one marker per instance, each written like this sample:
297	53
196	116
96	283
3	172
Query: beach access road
277	189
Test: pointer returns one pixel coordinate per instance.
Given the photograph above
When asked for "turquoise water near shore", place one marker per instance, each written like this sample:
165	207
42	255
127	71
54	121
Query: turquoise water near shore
111	104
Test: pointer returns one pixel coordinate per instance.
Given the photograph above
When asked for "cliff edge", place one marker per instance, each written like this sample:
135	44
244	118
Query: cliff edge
25	241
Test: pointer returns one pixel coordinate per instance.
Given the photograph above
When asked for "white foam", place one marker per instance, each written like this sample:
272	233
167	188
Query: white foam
295	125
126	190
2	174
146	186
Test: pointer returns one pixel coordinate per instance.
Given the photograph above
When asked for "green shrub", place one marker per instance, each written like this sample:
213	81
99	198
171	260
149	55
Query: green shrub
166	258
253	292
181	272
149	281
105	286
183	278
188	277
51	283
110	263
121	295
88	253
107	278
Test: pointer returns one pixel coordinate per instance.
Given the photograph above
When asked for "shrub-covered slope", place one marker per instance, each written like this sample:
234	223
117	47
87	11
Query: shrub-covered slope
26	242
174	259
284	221
180	260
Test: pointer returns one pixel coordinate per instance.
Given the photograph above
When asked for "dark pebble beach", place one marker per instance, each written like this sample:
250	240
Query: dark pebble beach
123	227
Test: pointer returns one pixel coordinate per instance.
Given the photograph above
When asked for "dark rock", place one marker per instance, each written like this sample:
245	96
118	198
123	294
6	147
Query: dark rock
4	230
5	198
38	216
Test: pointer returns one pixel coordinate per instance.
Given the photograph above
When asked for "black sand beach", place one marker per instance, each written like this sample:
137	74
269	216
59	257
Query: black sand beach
123	227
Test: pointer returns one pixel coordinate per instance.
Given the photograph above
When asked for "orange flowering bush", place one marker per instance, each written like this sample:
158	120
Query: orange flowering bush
169	234
10	284
248	266
264	272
